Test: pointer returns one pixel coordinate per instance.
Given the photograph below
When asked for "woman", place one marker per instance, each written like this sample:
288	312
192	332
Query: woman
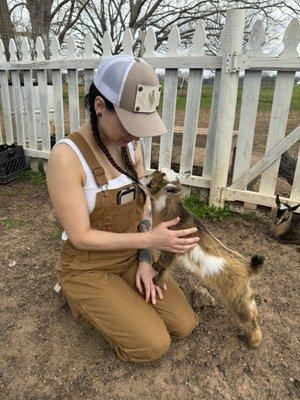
104	269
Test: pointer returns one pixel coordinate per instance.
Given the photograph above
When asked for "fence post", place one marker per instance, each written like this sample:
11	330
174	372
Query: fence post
232	43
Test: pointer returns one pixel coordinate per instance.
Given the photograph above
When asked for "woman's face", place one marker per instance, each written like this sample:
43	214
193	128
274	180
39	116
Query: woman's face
110	126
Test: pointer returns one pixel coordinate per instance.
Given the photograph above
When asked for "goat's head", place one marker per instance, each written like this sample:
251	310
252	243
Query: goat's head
284	211
160	185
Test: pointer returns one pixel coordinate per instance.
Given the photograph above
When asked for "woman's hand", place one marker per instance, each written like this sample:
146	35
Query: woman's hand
162	238
144	274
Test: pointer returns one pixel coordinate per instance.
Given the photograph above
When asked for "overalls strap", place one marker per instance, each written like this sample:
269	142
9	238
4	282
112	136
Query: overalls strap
93	163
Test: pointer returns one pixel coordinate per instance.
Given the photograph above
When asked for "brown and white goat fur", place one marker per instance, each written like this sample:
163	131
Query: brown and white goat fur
215	264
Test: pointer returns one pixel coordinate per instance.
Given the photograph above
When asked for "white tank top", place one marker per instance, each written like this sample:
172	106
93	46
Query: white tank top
91	188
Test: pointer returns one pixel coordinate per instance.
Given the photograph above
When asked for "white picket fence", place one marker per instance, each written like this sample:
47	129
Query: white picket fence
227	65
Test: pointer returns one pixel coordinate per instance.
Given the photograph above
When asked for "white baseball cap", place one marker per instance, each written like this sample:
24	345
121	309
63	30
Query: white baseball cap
132	85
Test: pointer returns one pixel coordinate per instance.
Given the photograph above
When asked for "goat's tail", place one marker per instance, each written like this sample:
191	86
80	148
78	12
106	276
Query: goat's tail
256	263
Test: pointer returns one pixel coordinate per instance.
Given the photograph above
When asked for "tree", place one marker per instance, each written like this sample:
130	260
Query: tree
44	16
115	15
63	17
6	26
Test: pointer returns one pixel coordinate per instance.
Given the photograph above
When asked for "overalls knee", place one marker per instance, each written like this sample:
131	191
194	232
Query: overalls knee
100	286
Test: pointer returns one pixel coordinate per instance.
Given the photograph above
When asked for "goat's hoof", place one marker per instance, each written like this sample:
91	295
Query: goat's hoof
201	298
254	338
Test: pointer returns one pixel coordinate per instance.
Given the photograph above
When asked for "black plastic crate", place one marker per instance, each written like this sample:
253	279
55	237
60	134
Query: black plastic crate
12	162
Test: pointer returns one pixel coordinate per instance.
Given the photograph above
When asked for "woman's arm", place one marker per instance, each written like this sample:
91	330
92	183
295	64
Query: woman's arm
146	219
145	273
65	178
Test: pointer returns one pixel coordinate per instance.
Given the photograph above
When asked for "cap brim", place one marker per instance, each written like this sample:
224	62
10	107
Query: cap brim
141	124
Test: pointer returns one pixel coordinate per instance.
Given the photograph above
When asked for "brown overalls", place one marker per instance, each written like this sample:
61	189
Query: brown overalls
100	287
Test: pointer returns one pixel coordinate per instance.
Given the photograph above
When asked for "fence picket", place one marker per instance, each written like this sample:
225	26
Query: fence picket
169	102
57	91
295	192
88	73
278	120
192	109
73	94
233	39
211	134
8	138
17	96
43	98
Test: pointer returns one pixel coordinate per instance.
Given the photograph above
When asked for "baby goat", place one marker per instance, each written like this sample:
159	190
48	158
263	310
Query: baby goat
215	264
287	223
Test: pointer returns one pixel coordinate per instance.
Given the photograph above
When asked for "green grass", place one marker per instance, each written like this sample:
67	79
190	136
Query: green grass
10	223
265	97
264	103
203	211
56	235
37	177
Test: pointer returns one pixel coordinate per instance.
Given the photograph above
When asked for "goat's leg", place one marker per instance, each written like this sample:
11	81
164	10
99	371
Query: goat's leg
162	265
246	311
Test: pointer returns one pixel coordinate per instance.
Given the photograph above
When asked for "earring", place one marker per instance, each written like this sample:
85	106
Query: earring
99	114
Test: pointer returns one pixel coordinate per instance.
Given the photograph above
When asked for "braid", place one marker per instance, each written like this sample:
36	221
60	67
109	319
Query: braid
124	151
102	146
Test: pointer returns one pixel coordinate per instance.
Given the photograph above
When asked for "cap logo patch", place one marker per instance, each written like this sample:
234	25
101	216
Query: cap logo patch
147	98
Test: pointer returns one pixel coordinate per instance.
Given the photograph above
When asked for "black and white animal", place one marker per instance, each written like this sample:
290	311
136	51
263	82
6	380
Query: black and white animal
286	226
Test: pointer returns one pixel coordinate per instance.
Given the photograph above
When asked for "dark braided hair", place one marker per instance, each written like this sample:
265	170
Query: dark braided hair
89	102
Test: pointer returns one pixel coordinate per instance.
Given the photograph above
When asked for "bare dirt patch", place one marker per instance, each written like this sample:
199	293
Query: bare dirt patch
45	354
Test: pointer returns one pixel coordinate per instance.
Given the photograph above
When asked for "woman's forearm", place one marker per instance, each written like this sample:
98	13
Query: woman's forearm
102	240
145	225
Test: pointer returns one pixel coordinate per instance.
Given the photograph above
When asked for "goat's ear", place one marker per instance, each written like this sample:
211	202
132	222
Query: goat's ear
295	207
183	175
277	200
171	188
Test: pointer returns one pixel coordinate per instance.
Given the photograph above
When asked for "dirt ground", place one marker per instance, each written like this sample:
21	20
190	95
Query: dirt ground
45	354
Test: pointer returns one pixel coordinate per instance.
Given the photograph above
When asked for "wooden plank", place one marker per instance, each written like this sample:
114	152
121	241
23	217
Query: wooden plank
73	99
163	62
203	62
2	140
88	80
30	115
194	90
295	192
230	194
211	133
251	89
273	64
278	120
270	158
44	110
168	117
44	154
58	104
233	39
9	136
18	107
191	119
146	144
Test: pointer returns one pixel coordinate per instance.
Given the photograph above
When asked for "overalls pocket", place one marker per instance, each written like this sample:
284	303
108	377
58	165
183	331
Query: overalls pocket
119	218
